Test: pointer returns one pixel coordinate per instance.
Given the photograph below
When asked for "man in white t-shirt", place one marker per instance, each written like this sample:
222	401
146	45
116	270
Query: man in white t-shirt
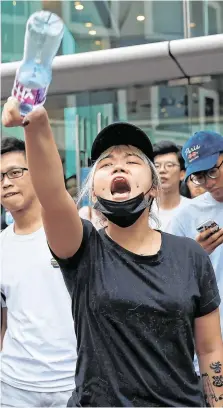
170	166
38	356
203	154
3	318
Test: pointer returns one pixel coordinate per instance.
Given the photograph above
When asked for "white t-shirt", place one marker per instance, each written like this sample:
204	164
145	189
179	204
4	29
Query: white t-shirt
165	216
39	348
197	211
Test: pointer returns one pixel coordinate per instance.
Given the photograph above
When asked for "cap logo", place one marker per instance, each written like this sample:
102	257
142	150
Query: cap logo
192	153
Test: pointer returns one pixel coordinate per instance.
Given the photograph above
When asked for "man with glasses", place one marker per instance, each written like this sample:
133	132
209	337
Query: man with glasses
170	165
203	155
39	346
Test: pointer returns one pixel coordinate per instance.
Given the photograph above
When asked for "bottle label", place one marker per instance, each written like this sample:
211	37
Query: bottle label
27	95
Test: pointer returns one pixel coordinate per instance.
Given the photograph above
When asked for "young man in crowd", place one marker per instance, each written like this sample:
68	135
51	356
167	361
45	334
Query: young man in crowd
71	186
203	155
170	165
39	347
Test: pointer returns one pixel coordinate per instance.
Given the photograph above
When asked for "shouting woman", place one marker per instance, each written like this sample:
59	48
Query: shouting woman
142	300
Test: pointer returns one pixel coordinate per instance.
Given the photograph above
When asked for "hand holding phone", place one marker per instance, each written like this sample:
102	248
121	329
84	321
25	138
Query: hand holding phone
210	236
210	225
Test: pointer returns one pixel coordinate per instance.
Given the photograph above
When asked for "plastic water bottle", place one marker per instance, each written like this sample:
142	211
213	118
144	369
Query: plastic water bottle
44	32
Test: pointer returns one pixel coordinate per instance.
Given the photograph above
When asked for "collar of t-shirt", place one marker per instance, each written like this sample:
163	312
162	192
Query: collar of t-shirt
164	216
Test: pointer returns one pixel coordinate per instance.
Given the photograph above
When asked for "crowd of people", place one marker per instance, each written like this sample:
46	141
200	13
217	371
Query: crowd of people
115	304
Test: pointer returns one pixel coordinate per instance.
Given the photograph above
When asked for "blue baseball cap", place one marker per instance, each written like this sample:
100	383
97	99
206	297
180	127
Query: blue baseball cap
201	151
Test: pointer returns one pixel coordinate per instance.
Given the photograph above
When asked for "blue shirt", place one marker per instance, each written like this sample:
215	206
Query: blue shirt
195	212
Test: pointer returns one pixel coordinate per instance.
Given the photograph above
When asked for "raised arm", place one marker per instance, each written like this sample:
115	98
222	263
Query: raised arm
60	216
209	349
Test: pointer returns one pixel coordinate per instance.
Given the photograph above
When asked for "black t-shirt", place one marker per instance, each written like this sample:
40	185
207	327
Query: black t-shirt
134	321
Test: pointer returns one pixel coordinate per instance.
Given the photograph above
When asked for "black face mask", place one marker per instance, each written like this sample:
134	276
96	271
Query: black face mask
124	213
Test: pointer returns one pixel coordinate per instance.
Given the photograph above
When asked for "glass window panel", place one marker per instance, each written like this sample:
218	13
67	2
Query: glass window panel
99	25
197	21
7	40
10	7
213	11
206	17
164	18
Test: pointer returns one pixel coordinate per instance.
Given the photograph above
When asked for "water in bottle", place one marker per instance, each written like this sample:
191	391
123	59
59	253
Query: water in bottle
44	32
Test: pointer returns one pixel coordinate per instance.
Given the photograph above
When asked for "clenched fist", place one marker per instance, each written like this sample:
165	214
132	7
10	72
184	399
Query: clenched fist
11	116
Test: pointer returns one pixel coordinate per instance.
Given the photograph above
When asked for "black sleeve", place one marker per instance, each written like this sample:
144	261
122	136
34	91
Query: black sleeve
70	266
209	299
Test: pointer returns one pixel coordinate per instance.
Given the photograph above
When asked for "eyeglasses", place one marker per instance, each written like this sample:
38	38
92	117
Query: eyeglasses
200	178
14	173
167	165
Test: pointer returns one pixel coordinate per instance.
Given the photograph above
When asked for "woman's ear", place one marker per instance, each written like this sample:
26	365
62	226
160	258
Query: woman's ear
182	175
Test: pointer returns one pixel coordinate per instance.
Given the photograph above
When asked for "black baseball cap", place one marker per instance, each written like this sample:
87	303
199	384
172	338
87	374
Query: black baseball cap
121	133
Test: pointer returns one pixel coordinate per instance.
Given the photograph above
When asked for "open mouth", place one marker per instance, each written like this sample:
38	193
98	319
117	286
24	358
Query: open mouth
10	195
120	186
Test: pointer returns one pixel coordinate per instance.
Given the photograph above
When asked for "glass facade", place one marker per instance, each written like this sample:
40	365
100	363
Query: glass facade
165	111
94	25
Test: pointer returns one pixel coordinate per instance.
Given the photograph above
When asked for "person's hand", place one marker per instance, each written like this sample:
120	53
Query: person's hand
11	116
210	241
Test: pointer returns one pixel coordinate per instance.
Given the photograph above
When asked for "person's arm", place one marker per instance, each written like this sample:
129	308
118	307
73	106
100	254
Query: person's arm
208	339
60	215
3	323
209	242
209	347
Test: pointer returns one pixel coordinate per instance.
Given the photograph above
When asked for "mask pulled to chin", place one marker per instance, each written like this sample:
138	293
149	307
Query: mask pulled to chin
124	213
